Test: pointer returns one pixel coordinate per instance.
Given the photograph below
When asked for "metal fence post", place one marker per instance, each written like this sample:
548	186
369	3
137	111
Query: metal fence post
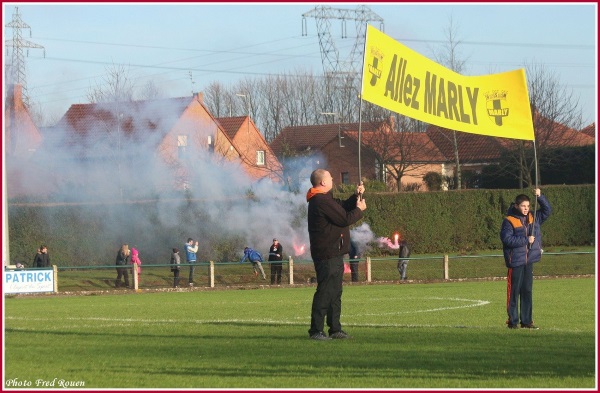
368	269
291	270
211	274
446	274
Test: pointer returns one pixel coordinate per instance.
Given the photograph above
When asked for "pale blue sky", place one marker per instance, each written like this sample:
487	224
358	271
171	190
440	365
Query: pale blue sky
227	42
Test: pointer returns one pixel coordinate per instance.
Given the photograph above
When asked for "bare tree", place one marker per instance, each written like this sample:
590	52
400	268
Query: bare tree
217	99
116	85
556	115
401	148
450	57
150	91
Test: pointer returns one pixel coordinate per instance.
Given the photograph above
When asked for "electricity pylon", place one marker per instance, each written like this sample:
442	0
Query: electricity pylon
342	75
330	55
16	72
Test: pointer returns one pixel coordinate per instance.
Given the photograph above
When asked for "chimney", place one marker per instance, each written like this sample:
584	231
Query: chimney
199	97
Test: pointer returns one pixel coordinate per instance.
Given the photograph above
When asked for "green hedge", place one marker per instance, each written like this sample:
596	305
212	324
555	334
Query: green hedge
467	220
433	222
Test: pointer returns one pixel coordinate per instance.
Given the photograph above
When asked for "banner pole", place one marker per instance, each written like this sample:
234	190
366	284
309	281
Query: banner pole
360	107
536	186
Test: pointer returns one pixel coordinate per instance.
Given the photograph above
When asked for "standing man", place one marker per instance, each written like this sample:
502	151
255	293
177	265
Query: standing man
328	229
403	253
522	247
42	259
191	248
275	258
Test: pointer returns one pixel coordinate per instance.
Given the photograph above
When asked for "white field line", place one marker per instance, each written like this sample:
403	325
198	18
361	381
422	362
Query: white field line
297	320
472	303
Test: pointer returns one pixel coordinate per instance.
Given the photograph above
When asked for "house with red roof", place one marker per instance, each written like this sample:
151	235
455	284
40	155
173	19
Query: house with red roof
403	158
303	149
257	157
398	158
139	146
24	174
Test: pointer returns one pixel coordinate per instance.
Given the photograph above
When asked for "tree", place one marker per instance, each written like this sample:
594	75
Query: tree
450	57
556	115
116	85
401	148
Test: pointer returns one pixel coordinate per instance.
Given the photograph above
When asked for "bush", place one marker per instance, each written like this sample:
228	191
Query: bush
433	180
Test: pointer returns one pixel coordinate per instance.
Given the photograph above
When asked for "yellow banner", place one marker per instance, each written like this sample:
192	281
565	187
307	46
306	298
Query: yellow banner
403	81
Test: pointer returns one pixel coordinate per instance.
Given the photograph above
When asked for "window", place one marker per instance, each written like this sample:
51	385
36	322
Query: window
260	157
182	142
345	178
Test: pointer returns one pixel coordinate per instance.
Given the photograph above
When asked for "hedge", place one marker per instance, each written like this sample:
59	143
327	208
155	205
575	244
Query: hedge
432	222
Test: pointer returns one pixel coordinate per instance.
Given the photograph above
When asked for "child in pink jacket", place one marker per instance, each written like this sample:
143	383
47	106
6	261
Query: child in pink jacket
135	258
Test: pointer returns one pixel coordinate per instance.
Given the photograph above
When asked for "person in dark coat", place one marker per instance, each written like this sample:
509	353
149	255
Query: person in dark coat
275	258
403	254
328	229
122	259
42	259
522	247
175	262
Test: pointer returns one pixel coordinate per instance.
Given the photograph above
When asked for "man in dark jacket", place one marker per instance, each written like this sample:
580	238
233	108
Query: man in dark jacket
275	258
42	259
328	229
522	247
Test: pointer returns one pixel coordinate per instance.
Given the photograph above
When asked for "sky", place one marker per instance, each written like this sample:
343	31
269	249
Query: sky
183	47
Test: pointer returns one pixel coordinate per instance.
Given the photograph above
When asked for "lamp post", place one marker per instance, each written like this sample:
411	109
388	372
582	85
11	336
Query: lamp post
247	99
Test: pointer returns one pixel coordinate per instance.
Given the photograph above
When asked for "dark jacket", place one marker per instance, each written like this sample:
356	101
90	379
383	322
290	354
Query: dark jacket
328	225
404	251
274	251
122	259
41	260
515	230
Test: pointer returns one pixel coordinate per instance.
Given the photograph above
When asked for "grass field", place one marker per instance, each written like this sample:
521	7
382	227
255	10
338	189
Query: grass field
436	335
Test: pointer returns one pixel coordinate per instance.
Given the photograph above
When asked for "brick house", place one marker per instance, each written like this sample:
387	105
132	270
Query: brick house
590	130
413	153
24	174
330	146
160	144
385	154
257	157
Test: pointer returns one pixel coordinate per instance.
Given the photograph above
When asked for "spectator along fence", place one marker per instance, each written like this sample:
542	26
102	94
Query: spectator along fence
210	274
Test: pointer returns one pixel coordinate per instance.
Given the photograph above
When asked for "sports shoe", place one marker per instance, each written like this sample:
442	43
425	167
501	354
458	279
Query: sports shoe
340	335
319	336
529	326
513	326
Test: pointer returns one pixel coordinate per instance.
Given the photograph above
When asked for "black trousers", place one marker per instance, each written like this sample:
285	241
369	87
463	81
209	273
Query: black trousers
175	277
191	278
354	271
327	300
520	294
122	272
276	268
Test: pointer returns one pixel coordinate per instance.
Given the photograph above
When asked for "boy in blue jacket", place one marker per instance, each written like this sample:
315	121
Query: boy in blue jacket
522	247
256	259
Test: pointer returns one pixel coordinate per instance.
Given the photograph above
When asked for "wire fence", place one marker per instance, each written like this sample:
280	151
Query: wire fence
301	272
